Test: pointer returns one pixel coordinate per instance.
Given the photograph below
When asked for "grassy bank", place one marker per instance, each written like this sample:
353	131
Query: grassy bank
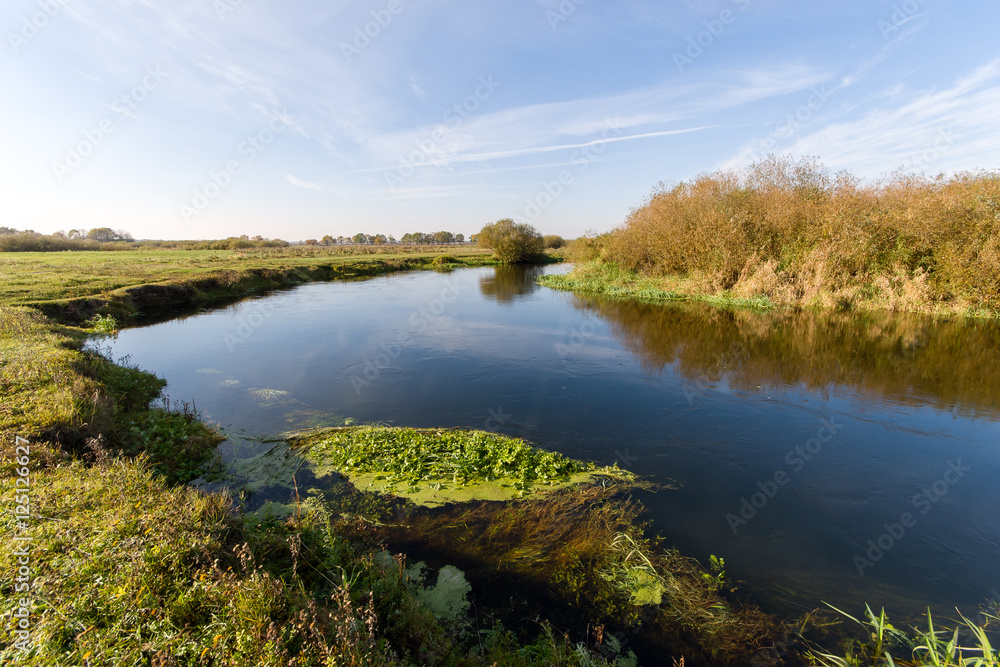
795	234
74	286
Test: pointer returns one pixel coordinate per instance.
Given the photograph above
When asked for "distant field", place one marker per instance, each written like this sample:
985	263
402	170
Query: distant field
37	277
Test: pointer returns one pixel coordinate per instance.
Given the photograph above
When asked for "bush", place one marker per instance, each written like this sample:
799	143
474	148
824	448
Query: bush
511	242
797	232
554	242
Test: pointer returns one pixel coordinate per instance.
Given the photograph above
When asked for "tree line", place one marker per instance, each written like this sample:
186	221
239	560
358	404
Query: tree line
415	238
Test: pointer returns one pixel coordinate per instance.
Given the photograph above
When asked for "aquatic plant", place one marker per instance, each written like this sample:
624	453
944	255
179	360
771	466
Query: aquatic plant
412	457
103	325
887	646
581	550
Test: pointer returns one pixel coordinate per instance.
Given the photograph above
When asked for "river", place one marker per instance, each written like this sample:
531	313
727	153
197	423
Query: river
836	457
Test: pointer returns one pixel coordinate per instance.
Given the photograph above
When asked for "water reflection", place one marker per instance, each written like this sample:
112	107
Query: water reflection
913	359
510	282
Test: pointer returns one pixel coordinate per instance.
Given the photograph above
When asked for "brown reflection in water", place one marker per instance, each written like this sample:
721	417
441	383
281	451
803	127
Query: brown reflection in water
509	282
913	359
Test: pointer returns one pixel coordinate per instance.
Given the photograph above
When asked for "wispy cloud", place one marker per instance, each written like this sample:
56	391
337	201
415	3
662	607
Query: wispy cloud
303	184
889	137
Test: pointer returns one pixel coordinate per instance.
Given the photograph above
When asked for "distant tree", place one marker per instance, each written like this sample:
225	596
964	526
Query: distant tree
327	240
443	237
257	238
59	235
124	236
244	237
553	241
102	234
360	238
459	238
392	239
312	242
77	233
8	230
474	238
511	242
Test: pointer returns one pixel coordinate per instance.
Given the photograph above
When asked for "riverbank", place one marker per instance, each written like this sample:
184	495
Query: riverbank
794	234
71	287
613	282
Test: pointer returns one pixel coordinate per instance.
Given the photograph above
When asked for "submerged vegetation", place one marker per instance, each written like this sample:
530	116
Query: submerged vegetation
795	234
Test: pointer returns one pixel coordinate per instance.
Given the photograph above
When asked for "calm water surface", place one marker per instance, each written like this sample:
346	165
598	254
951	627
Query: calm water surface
876	428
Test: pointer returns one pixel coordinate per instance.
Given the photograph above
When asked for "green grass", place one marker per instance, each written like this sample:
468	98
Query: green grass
56	279
615	282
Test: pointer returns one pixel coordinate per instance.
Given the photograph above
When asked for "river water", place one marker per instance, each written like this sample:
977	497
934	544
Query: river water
835	457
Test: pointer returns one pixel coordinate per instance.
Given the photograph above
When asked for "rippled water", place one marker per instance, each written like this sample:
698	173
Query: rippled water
792	439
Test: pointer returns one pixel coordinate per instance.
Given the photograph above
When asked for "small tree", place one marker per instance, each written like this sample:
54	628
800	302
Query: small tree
102	234
327	240
312	242
554	242
511	242
459	238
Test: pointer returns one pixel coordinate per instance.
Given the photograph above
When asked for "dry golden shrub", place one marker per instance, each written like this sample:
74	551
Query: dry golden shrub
799	234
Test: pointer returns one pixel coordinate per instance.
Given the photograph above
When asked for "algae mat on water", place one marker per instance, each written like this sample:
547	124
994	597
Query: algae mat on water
433	467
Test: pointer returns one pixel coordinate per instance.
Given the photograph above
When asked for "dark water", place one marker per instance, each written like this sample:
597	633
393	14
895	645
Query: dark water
792	439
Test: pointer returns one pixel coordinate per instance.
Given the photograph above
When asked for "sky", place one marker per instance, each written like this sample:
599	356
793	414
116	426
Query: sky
192	119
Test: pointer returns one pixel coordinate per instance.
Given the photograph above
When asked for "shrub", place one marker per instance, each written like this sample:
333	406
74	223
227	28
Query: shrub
510	241
794	230
553	241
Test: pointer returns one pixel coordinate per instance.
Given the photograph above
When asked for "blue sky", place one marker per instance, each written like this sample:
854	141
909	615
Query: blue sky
210	118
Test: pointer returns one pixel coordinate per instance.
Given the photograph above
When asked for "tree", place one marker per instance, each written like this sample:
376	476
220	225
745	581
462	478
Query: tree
511	242
553	241
360	238
327	240
312	242
459	238
443	237
102	234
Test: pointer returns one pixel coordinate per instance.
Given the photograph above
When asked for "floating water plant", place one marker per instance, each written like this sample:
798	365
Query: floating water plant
436	466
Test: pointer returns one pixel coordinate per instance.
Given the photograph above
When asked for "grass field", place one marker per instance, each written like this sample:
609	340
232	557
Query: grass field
31	278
